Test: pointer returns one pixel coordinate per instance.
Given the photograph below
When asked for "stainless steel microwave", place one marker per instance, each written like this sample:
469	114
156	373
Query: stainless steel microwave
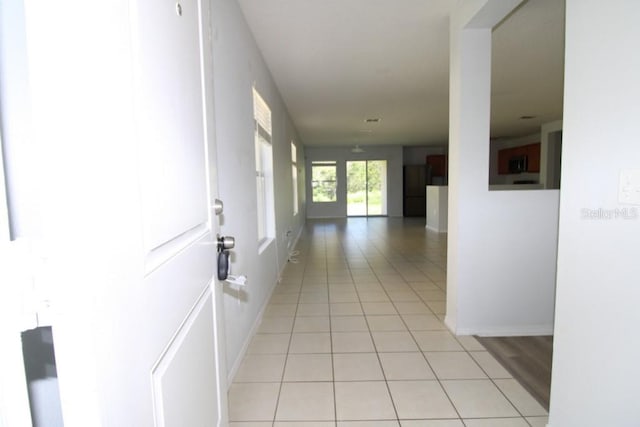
518	164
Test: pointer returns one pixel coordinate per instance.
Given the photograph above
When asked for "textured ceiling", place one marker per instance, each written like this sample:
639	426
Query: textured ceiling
340	62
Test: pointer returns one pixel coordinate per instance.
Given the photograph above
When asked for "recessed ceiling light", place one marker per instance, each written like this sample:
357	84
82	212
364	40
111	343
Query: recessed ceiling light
372	120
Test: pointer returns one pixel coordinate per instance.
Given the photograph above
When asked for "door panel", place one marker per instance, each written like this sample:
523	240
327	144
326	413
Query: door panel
366	188
179	391
376	187
170	119
356	188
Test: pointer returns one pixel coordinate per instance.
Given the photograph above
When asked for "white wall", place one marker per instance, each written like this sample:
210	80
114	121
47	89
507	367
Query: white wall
596	349
237	66
393	156
502	245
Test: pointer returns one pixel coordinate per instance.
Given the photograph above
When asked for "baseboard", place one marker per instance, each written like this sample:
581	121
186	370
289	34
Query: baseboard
508	331
428	227
289	249
254	328
345	217
245	346
449	323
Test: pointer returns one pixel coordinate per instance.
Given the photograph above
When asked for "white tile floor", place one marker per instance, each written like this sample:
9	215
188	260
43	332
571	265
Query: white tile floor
354	336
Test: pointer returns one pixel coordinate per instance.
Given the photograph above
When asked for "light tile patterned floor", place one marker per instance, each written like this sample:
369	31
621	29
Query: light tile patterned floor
354	336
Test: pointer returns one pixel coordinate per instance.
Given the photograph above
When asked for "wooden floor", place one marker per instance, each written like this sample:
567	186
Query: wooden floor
528	359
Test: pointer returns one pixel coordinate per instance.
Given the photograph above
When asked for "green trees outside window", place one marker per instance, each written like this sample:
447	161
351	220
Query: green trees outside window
366	187
323	181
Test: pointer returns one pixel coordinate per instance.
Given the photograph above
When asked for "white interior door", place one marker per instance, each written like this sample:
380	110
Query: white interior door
178	237
122	112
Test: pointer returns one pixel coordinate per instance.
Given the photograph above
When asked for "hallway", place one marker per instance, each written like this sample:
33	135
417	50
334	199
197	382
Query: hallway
354	336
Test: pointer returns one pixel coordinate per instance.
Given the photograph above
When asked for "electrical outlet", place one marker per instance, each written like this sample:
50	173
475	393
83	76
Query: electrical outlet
629	188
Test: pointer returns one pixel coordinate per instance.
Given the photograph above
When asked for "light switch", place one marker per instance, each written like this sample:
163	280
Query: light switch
629	189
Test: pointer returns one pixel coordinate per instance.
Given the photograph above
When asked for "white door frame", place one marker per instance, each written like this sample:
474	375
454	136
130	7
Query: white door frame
14	275
14	398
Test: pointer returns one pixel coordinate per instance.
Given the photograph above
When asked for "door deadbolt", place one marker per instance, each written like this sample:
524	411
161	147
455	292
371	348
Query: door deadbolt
226	242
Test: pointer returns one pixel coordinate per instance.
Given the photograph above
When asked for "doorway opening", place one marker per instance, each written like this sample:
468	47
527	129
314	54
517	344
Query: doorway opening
367	188
42	377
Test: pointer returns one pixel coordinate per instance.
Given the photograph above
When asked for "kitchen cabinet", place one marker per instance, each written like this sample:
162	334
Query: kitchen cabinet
531	151
437	198
436	168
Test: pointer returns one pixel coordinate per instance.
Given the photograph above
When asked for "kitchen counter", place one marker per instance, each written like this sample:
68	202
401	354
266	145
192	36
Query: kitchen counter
437	208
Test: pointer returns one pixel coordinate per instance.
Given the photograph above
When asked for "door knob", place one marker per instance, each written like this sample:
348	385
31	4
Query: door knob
218	206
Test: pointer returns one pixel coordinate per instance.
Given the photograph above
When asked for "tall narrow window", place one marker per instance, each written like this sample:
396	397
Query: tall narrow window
294	176
323	181
264	168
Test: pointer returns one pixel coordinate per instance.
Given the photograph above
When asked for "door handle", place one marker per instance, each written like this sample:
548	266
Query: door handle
223	265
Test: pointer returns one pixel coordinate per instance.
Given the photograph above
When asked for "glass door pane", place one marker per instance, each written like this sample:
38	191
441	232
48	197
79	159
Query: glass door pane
356	188
366	187
376	187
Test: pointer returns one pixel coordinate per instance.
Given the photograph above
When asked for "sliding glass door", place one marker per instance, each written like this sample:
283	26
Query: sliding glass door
367	188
